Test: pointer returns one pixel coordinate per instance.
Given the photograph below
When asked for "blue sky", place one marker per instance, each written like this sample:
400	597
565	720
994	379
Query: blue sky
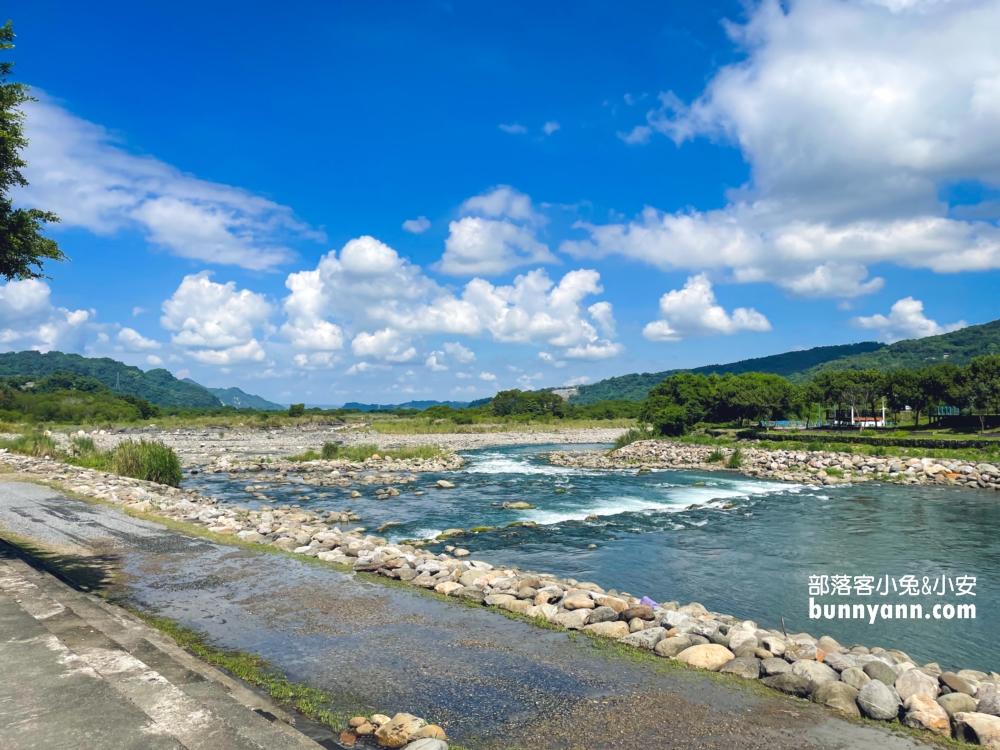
626	187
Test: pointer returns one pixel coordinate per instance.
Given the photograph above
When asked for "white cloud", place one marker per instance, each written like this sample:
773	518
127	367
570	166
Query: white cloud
315	360
386	344
602	314
135	342
251	351
515	129
526	380
203	313
487	376
137	311
594	352
463	389
497	234
362	367
153	360
460	353
693	311
83	173
433	365
550	127
852	116
29	320
582	380
418	225
639	135
547	358
462	375
906	320
369	287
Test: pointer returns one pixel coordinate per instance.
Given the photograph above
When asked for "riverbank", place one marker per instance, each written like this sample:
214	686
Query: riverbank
798	663
799	466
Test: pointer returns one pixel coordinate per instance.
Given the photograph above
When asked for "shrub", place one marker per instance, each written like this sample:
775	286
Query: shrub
716	456
297	410
870	433
330	450
833	471
735	459
151	461
814	446
630	436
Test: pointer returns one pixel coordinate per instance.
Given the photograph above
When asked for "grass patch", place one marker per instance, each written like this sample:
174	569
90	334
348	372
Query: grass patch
32	444
631	435
147	460
832	471
716	456
735	459
359	453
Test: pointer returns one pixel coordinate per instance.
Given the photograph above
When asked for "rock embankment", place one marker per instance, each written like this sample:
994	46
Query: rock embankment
804	467
867	681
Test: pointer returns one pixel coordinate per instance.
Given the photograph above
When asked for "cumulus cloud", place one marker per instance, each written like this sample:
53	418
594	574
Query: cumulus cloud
906	320
202	313
153	360
432	364
251	351
136	342
362	367
852	115
85	174
582	380
514	129
498	234
550	127
693	311
460	353
418	225
387	301
487	376
29	320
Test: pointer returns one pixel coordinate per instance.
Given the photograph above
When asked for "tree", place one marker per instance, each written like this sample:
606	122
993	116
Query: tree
23	249
979	387
664	415
297	410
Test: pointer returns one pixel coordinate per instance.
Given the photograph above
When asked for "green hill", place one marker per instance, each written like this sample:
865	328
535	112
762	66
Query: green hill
156	386
239	399
957	347
635	386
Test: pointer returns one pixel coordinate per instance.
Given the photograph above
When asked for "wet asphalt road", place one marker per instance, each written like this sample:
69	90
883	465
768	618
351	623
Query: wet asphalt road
492	682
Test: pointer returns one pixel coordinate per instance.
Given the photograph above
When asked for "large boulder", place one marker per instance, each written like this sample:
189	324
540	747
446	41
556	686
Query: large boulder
854	677
578	601
708	656
925	713
788	683
747	667
428	743
956	703
840	662
879	701
641	611
574	620
879	670
616	629
398	730
982	729
741	640
605	614
646	639
915	682
838	695
774	666
956	684
816	672
672	646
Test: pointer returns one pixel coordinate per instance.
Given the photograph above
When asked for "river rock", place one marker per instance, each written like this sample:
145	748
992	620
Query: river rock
470	593
605	614
989	702
925	713
854	677
774	666
879	701
646	639
788	683
608	629
774	644
430	732
838	695
518	605
981	729
641	611
956	683
499	600
798	651
672	646
618	605
816	672
447	587
882	672
747	667
915	682
428	743
740	639
574	620
578	601
839	661
828	645
547	611
956	703
444	484
710	656
397	732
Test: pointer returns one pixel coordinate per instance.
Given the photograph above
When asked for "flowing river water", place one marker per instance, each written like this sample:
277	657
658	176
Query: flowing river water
737	545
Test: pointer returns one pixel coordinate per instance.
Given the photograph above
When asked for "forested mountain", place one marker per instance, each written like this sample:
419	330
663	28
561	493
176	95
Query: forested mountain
156	386
957	347
239	399
635	386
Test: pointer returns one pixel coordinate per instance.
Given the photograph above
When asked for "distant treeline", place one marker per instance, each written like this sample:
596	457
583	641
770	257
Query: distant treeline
682	401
